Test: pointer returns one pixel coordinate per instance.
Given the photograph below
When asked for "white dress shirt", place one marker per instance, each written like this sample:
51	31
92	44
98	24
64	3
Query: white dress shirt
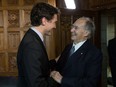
78	45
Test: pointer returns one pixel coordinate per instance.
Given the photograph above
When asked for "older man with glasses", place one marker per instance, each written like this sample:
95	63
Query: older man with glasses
82	68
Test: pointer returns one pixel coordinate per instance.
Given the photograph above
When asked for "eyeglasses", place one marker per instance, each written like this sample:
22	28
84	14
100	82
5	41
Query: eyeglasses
74	27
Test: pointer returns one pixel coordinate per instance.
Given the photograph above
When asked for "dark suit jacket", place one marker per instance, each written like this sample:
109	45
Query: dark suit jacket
33	63
81	69
112	58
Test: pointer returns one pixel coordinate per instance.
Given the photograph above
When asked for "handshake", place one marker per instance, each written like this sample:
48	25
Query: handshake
56	76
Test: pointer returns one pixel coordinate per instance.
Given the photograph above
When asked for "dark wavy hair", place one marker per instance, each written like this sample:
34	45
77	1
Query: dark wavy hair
41	10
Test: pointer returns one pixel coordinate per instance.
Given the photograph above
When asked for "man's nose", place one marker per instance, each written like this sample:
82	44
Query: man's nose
72	30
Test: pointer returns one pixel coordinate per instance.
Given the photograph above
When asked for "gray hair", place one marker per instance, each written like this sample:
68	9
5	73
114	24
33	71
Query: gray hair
89	26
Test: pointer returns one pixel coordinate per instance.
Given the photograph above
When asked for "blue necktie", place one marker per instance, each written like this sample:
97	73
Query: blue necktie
72	50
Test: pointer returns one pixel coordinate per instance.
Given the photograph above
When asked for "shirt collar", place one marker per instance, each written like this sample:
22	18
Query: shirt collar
78	45
38	33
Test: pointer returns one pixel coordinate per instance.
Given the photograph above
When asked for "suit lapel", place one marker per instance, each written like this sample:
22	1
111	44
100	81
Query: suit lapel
77	55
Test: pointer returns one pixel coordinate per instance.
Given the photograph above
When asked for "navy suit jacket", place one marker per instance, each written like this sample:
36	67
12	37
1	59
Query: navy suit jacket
112	58
81	69
33	63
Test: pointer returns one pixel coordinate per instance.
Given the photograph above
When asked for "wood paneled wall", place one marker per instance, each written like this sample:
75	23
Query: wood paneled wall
103	4
14	22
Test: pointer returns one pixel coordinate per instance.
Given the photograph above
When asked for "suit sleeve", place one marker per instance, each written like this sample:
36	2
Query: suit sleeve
52	64
112	53
112	60
91	76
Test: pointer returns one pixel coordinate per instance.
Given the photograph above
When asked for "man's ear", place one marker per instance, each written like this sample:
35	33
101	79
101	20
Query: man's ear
87	33
43	21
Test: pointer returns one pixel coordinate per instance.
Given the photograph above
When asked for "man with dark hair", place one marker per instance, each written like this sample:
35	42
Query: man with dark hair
80	62
32	58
